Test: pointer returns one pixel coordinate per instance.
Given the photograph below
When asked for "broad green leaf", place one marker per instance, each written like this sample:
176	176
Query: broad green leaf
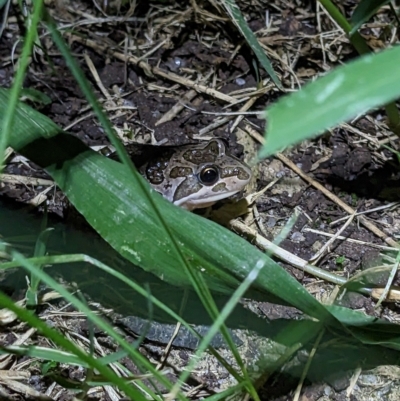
364	11
368	329
348	91
104	192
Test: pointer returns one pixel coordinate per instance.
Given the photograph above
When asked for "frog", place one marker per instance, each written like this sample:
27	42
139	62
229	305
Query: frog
198	175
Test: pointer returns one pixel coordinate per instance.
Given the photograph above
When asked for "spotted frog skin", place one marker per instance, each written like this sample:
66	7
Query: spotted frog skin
197	176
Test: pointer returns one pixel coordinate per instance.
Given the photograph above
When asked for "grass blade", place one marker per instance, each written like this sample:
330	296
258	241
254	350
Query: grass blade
238	19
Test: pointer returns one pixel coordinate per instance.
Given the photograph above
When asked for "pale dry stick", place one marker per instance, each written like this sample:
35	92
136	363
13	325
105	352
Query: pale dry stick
356	131
94	21
96	77
295	60
167	349
211	127
247	105
353	381
91	114
240	92
26	391
154	87
151	71
7	317
328	15
352	240
388	140
284	255
392	296
178	107
50	389
15	374
22	339
318	15
77	121
151	51
122	107
323	159
233	113
375	209
381	129
234	53
251	198
363	220
222	121
259	221
284	64
195	391
206	14
314	259
40	198
389	282
21	179
251	92
111	392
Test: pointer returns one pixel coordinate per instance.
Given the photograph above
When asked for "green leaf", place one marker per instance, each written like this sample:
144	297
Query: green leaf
127	222
47	354
368	329
364	11
35	96
40	250
348	91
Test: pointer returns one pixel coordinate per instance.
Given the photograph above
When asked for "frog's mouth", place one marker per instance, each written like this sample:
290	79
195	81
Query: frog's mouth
191	203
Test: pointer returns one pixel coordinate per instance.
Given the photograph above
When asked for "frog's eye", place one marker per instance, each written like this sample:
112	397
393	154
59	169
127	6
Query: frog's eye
209	175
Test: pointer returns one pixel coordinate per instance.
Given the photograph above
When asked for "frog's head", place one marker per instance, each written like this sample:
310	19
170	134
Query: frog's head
197	176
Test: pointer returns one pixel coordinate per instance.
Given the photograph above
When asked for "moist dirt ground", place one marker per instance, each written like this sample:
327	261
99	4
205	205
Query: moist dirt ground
167	73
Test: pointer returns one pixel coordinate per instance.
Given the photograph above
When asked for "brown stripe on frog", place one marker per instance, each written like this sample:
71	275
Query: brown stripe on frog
188	187
221	187
207	155
238	172
177	172
154	169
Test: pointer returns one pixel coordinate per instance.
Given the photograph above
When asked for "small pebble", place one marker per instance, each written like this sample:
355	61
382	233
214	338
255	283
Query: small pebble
327	390
297	237
240	81
178	61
